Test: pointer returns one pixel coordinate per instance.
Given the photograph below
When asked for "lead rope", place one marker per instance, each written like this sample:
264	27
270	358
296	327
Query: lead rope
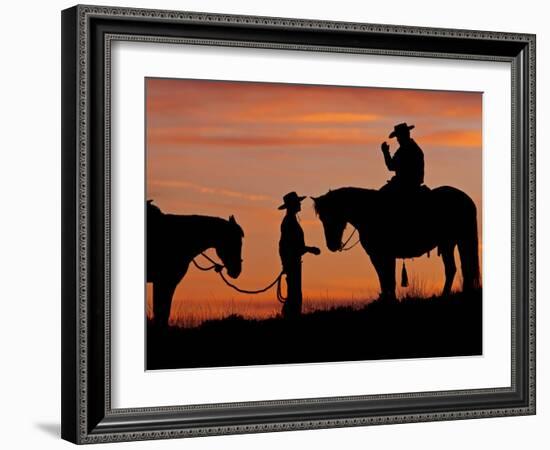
219	267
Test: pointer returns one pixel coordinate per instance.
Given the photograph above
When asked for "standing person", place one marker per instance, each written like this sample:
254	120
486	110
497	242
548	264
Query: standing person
407	162
291	248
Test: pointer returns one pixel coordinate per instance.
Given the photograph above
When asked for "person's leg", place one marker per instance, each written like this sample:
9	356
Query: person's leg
293	303
285	310
298	288
290	304
286	305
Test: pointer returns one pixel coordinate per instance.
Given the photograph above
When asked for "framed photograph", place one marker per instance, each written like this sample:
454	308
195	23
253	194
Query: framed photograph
279	224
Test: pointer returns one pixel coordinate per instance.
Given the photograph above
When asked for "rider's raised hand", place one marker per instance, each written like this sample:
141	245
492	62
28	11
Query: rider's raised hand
385	147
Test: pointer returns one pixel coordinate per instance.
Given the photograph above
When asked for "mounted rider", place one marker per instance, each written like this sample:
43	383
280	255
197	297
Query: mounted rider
407	162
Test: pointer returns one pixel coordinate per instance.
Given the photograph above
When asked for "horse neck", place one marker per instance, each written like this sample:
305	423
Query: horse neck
354	203
206	232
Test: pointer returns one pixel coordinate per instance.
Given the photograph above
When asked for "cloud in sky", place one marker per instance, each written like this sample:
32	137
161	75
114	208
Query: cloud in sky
220	148
185	185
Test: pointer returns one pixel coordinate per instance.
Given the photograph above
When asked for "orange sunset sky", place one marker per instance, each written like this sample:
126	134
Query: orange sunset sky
220	148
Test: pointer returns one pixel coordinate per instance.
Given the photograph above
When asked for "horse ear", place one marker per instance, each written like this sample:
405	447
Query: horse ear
314	198
234	222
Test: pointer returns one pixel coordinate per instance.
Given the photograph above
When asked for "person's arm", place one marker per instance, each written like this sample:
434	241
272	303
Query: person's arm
294	245
387	157
419	161
306	249
421	167
313	250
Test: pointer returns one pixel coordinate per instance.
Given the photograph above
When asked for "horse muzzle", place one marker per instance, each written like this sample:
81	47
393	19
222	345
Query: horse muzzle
234	273
335	246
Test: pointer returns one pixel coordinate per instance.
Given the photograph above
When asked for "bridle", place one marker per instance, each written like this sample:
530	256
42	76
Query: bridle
343	248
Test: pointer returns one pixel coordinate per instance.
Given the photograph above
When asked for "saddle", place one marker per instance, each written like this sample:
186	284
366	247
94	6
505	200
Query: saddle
401	191
405	206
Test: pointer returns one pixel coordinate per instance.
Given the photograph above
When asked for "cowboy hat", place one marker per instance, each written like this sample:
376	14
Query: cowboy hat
400	128
290	199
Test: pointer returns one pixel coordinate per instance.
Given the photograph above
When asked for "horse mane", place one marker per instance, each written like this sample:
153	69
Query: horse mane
218	222
156	211
203	220
335	196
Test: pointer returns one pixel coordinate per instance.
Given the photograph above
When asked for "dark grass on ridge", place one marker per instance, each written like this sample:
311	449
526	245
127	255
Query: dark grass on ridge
411	328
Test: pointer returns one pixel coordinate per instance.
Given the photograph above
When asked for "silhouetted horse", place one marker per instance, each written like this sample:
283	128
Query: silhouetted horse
173	241
388	229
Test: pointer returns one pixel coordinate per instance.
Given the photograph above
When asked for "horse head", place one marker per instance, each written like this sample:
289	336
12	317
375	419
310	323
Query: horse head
230	247
329	210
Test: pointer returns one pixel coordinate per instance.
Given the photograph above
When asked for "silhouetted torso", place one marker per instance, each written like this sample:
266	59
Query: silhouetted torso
408	165
292	244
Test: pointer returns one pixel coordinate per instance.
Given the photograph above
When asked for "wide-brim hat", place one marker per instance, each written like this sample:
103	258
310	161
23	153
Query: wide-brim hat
400	128
292	198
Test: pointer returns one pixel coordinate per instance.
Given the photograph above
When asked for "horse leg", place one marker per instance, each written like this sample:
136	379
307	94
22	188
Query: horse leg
469	263
448	257
163	290
390	279
385	269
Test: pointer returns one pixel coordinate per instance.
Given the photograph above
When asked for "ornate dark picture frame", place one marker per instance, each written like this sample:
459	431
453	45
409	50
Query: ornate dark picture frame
87	34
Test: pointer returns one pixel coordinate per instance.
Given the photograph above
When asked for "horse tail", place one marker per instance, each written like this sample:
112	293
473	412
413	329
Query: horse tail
468	250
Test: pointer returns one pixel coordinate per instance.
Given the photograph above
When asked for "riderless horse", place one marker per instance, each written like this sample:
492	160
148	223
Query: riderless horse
173	241
444	217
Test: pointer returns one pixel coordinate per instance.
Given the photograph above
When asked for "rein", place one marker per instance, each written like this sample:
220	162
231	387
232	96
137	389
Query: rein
219	267
216	266
343	248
